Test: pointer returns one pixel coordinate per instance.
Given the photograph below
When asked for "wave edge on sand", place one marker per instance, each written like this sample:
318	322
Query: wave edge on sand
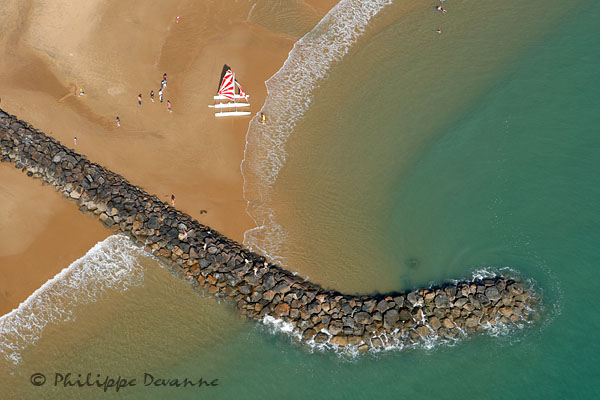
289	95
110	265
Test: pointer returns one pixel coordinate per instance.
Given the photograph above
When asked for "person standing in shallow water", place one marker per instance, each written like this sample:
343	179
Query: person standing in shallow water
140	99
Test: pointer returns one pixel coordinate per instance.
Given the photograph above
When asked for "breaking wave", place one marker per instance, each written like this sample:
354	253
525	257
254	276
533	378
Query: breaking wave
289	95
111	265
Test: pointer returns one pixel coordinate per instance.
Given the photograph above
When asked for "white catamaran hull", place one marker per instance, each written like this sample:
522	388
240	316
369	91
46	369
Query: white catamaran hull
229	105
235	96
231	113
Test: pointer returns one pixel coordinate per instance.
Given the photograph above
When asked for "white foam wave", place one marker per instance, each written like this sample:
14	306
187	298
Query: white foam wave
289	95
111	265
394	342
279	325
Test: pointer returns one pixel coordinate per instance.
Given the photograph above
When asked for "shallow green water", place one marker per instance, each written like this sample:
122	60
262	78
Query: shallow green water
507	178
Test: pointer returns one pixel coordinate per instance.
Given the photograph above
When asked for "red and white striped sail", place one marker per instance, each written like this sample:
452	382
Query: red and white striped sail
242	93
227	92
227	88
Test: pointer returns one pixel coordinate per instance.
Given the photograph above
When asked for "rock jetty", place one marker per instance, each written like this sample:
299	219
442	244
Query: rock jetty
257	288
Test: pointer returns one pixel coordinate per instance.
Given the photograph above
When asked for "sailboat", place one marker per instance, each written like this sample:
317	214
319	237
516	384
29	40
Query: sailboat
230	96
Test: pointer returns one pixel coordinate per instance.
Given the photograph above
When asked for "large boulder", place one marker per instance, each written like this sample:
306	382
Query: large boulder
369	306
282	287
268	295
515	289
308	334
441	300
382	306
460	302
268	281
282	309
348	321
451	291
314	307
321	338
390	318
493	294
423	331
435	323
483	299
447	322
362	318
340	340
399	300
153	222
346	309
335	327
412	298
404	315
506	311
354	340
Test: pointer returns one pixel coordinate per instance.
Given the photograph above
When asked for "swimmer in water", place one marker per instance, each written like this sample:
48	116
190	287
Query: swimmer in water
440	9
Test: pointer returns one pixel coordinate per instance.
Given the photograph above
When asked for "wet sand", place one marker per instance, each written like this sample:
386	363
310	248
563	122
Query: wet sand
115	51
41	233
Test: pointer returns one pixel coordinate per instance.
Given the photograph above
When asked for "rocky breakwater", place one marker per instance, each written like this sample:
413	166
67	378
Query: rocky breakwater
258	289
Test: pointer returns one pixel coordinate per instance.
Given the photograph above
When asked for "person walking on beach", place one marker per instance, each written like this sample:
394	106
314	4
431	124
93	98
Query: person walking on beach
118	121
173	200
152	95
177	19
169	106
75	140
165	77
140	99
163	83
160	97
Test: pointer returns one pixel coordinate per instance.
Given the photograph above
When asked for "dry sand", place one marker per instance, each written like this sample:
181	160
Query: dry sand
115	50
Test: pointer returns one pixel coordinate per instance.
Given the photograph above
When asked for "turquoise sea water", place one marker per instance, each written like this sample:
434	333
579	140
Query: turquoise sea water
504	175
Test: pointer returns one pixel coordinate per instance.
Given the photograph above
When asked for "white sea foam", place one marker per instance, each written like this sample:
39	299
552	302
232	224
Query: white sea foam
276	325
111	265
289	95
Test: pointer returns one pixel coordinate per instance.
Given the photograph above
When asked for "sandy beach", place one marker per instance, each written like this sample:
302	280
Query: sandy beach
114	51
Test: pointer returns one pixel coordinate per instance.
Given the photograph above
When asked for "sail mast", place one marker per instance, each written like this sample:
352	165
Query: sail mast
235	102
